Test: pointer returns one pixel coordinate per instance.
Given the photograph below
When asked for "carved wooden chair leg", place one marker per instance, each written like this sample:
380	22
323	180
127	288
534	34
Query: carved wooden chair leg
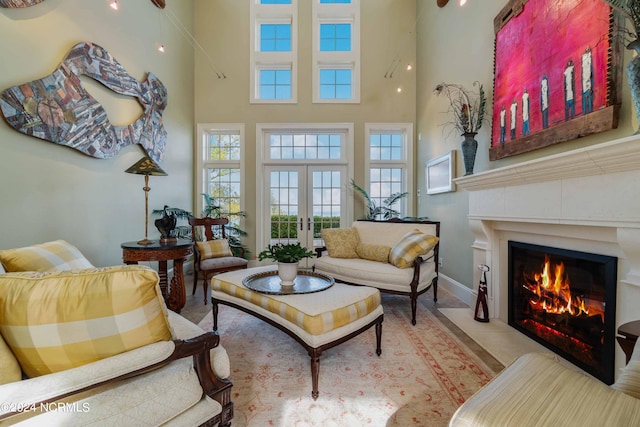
379	337
315	371
205	286
414	306
195	281
214	310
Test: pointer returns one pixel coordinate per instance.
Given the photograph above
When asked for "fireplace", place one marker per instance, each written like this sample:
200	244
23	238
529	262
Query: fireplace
566	301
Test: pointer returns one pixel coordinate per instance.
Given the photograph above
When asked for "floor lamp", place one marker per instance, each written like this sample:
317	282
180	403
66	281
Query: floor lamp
146	167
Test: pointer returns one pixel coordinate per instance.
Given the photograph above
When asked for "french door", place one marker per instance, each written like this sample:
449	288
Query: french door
301	201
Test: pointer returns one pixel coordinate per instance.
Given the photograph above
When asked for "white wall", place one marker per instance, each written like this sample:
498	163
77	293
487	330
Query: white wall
51	192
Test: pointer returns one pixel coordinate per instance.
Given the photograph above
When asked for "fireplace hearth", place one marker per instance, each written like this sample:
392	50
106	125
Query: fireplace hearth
566	301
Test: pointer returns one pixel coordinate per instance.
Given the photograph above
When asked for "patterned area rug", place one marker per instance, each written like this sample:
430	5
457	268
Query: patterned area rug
424	373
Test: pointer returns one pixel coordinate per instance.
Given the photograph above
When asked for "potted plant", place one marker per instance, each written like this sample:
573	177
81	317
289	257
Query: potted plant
385	211
287	255
468	109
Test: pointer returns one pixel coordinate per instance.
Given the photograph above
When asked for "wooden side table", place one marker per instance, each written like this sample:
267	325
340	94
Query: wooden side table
174	295
627	336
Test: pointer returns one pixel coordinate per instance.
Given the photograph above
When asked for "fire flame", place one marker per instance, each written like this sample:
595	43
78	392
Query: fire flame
554	292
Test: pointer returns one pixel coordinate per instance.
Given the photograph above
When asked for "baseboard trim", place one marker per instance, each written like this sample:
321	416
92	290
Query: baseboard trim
459	290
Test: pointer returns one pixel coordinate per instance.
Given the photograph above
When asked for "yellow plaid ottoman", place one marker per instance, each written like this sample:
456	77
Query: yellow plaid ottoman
318	321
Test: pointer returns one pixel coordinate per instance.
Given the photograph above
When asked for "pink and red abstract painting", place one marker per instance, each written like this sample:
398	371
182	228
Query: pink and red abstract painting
551	66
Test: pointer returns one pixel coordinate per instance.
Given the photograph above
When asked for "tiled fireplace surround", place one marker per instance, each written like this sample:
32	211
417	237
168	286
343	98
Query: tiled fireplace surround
586	199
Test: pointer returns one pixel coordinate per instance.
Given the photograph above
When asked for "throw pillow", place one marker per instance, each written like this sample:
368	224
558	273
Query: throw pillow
341	242
378	253
412	245
214	248
56	321
45	257
9	368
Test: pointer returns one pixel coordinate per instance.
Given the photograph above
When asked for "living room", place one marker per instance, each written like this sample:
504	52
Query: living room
206	69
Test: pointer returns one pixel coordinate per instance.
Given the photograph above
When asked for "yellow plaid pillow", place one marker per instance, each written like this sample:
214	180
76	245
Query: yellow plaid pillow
378	253
9	369
412	245
214	248
45	257
341	242
56	321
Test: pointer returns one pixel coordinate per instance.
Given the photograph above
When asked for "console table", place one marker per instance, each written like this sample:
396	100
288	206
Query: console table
174	294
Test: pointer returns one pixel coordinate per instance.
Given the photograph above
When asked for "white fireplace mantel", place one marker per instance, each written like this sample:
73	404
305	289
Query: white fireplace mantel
586	199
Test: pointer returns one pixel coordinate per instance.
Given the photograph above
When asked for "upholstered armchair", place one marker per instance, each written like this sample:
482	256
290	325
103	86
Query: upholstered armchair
213	254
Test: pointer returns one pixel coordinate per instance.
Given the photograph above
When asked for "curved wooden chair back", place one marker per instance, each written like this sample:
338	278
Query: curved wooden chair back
212	229
210	226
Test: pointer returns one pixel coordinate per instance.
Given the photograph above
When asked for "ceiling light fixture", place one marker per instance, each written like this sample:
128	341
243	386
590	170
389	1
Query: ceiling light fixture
462	2
114	5
409	67
161	48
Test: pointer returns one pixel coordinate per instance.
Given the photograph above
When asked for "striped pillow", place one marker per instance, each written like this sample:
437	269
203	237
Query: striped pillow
45	257
214	248
412	245
56	321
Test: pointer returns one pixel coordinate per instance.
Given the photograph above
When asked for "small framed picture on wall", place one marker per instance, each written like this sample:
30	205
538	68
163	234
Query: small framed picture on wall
440	173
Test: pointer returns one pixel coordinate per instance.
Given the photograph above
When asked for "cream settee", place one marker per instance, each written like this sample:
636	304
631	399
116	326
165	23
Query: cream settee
96	346
394	256
542	390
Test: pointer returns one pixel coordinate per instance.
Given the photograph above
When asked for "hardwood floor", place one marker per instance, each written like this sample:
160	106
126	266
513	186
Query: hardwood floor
195	310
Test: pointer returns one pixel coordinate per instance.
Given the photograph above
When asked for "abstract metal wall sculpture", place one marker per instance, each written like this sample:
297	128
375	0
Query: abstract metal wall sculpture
57	108
19	3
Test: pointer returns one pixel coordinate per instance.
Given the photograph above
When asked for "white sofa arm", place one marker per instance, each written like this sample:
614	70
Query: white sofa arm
21	395
183	329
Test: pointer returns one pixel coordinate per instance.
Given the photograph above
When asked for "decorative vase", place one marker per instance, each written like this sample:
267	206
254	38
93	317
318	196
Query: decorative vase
633	76
287	272
469	148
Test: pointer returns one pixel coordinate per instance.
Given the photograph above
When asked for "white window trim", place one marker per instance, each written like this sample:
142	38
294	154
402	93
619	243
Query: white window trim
262	145
407	131
276	14
336	13
202	164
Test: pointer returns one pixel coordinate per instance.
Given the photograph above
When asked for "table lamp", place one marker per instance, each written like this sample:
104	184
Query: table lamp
146	166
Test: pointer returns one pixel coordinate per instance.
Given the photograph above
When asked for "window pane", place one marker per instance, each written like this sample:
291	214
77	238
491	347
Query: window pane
223	186
275	37
306	146
335	1
275	1
335	84
335	37
386	146
383	183
223	146
275	84
283	206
